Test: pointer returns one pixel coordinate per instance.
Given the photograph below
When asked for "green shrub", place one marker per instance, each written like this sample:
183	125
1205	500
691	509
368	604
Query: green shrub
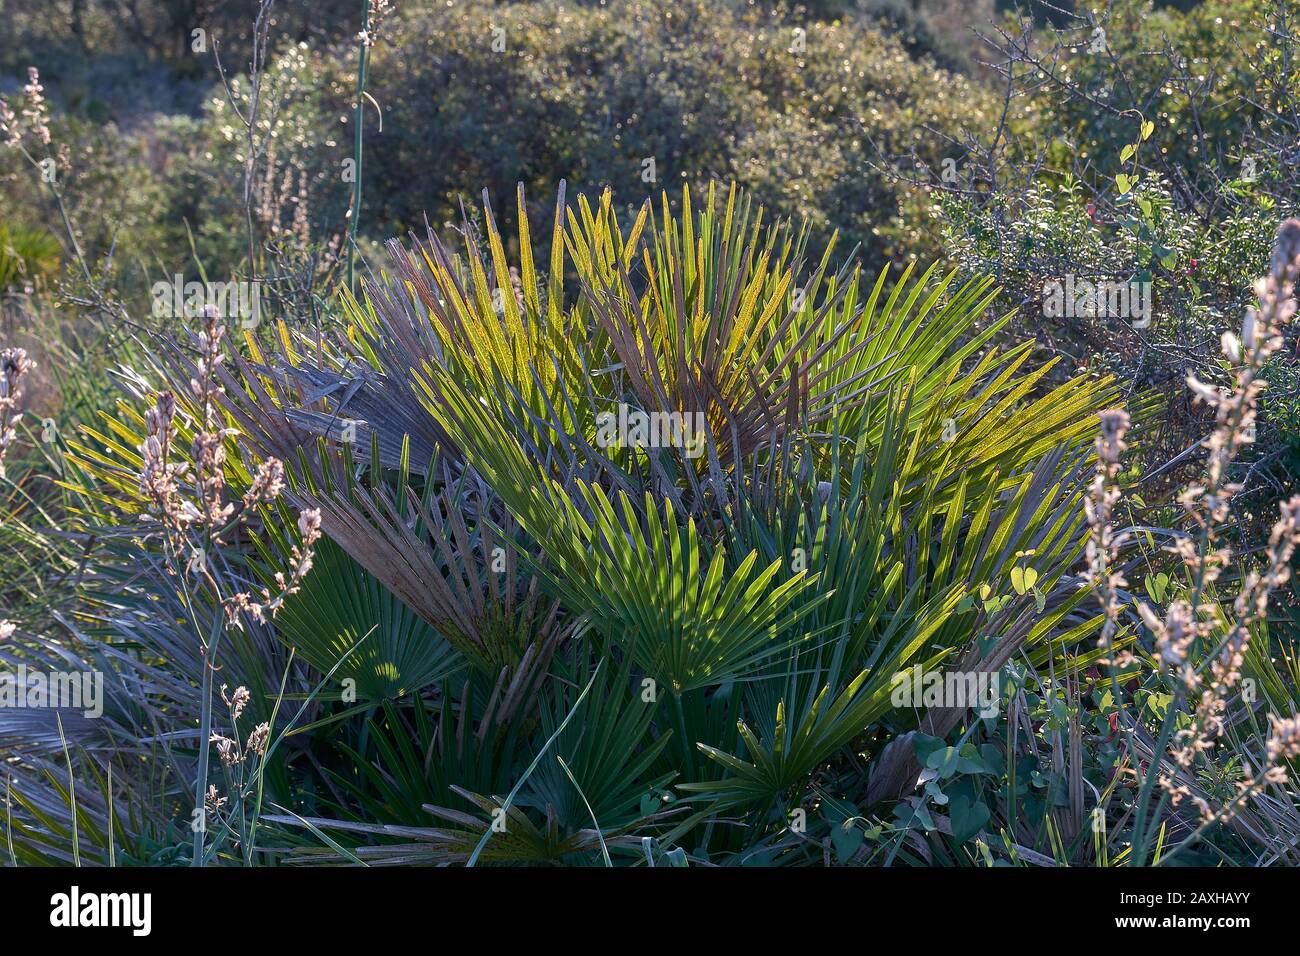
590	94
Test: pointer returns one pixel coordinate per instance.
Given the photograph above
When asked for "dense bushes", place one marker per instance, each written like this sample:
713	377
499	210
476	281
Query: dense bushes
798	111
1150	147
810	115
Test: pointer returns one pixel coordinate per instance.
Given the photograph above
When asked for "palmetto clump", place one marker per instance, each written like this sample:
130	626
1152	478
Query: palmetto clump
623	649
729	616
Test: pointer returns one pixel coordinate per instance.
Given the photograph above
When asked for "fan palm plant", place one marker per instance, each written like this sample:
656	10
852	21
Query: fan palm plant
585	648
